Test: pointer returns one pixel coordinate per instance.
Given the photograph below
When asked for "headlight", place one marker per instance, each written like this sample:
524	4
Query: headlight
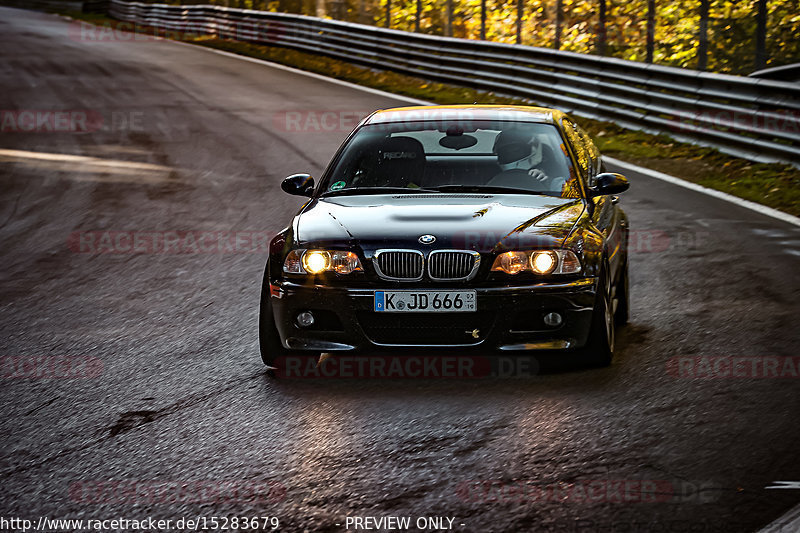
317	261
345	262
540	262
543	262
511	262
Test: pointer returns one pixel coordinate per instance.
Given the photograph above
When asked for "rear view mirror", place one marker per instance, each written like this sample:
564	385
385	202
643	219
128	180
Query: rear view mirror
298	185
609	183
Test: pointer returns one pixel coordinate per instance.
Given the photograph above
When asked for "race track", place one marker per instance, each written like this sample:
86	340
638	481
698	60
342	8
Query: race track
155	137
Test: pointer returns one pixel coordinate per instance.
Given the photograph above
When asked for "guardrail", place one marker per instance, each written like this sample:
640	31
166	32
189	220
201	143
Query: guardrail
757	119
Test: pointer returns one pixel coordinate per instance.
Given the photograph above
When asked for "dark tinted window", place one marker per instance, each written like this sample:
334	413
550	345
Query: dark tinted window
428	155
586	152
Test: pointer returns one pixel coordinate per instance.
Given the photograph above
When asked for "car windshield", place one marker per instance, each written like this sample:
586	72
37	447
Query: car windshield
454	156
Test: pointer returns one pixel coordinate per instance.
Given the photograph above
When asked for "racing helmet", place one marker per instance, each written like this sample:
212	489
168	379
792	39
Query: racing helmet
517	149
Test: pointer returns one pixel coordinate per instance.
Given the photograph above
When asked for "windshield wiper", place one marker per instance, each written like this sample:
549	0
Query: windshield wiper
379	190
486	189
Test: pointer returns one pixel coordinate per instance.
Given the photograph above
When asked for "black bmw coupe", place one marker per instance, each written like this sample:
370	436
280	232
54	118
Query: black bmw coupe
472	227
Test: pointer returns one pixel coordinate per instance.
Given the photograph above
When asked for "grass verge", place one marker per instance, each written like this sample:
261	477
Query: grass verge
774	185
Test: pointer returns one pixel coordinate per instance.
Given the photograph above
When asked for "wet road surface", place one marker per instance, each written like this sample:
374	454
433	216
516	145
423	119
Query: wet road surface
167	389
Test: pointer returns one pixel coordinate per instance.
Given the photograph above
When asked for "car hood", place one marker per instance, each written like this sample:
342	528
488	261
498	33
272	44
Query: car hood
481	222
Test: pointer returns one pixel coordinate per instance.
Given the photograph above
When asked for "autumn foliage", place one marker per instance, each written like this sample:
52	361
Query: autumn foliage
731	25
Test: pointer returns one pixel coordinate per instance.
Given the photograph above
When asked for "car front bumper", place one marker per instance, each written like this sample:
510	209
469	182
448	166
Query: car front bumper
507	319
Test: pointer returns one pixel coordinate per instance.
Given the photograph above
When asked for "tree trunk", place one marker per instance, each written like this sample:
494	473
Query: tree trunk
448	29
651	29
559	9
601	28
483	20
702	38
761	35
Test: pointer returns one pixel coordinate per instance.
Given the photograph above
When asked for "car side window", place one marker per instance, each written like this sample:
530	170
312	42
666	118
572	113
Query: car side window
595	161
581	154
589	160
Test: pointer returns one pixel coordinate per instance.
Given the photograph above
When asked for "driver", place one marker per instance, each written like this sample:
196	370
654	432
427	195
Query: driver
522	161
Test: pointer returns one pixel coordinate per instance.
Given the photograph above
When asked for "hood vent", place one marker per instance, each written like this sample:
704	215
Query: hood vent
456	195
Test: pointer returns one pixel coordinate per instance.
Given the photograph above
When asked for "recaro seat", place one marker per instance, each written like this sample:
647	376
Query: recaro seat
401	160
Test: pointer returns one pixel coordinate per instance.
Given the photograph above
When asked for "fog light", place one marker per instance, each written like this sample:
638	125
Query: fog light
305	319
553	319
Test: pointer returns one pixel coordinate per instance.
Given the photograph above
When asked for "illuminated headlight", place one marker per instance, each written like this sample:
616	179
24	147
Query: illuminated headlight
540	262
543	262
317	261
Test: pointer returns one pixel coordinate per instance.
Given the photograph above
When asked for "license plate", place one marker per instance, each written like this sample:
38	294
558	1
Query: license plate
425	301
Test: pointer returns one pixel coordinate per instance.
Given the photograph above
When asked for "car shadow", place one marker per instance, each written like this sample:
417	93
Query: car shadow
449	371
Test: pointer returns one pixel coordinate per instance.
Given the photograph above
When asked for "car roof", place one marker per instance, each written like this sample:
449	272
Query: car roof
465	112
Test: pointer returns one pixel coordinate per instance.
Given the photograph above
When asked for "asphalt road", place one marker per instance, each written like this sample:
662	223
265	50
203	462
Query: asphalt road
166	387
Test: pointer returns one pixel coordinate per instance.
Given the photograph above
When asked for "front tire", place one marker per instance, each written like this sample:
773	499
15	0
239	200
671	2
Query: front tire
623	298
268	339
599	350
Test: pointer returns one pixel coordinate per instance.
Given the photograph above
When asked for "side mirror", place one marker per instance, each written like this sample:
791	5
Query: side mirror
609	183
298	185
